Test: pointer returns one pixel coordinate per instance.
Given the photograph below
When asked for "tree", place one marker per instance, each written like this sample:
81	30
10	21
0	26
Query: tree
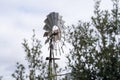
81	57
1	77
37	67
96	49
107	25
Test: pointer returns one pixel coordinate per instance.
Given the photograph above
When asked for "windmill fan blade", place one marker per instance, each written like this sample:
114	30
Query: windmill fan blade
62	26
52	17
46	34
47	40
47	27
56	18
48	22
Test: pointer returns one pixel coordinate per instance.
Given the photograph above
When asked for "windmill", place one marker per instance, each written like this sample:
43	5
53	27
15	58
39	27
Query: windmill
54	26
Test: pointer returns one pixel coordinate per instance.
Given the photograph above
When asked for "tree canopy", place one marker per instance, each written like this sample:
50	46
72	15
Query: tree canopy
96	46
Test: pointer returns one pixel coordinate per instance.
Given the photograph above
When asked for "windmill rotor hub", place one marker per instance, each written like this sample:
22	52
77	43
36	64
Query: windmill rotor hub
55	27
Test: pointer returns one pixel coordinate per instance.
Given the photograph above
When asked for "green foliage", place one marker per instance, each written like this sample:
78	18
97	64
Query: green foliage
81	57
19	73
34	58
1	77
36	67
96	50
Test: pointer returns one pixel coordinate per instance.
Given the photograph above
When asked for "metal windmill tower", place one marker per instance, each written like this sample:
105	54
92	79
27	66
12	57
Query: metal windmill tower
53	27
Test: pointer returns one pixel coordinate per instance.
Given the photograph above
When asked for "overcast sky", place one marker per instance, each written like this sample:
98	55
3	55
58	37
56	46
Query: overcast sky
19	17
